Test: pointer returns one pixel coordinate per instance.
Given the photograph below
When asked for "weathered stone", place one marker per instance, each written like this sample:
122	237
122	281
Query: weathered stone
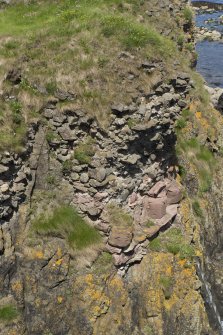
113	250
154	208
4	188
3	168
174	194
99	174
84	178
156	189
120	237
14	76
120	259
131	159
67	134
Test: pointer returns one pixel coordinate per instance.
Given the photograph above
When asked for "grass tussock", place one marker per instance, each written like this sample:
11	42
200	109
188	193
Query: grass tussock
8	313
201	158
85	151
67	223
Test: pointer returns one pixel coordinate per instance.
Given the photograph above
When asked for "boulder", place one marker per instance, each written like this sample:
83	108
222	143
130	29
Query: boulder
120	237
174	194
120	259
154	208
66	133
156	189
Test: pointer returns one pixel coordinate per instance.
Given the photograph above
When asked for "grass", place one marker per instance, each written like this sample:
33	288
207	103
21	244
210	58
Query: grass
197	208
85	151
172	241
202	159
67	166
150	223
65	40
8	313
118	217
188	15
67	223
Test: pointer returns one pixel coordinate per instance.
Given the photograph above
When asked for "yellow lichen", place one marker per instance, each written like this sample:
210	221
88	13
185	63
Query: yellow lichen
60	299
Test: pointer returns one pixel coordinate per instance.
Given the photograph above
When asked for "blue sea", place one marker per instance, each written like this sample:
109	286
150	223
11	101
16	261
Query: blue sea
210	54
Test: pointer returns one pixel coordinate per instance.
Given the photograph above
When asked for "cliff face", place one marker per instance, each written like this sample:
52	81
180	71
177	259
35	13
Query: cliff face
101	218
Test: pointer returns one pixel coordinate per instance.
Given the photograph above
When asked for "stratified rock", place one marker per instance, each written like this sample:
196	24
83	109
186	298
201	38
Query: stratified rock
156	189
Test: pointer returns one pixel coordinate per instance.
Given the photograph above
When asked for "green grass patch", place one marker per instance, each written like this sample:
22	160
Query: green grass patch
197	208
201	157
188	15
8	313
155	244
66	222
85	151
172	241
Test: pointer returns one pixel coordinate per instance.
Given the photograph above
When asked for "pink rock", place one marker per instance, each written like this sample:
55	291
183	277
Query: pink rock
120	237
120	259
132	199
171	212
154	208
113	250
174	194
156	189
137	214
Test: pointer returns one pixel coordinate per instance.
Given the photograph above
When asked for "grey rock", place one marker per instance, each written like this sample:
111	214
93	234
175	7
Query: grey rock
131	159
66	133
84	178
3	169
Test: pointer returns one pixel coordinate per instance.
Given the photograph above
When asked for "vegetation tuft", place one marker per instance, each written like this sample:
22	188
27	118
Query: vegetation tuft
85	151
67	223
173	241
8	313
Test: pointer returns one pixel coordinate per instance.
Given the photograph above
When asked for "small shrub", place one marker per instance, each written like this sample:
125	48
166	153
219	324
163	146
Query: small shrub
51	179
66	222
197	208
67	166
181	123
8	313
188	15
180	41
16	109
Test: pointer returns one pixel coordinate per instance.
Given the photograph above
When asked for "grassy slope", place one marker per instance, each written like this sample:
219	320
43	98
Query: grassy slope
74	46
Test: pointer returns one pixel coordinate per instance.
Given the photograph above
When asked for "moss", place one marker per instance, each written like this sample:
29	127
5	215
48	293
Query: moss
66	222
